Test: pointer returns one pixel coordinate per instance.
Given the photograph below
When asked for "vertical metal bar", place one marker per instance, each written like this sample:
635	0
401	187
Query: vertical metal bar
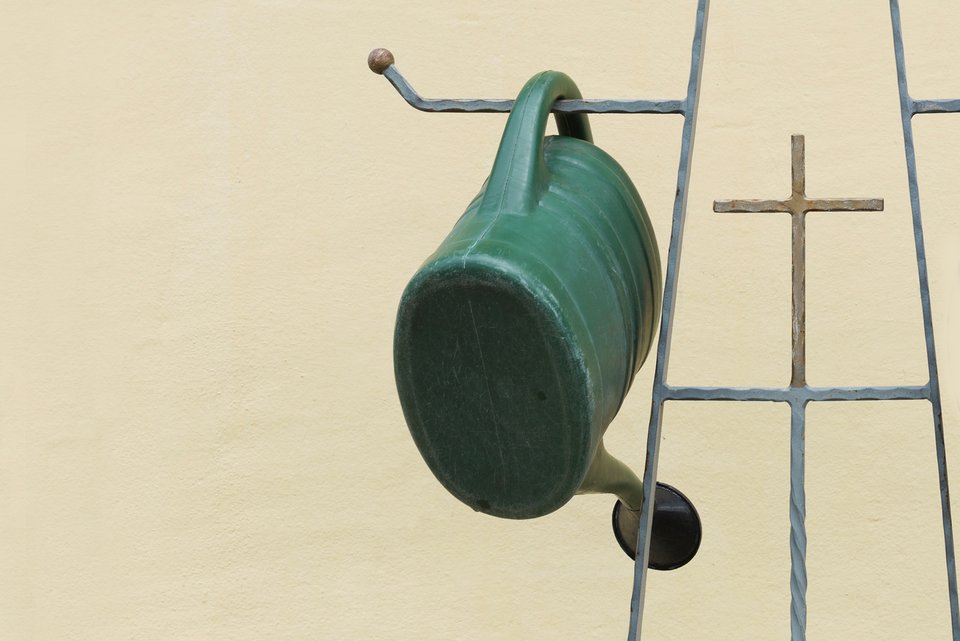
798	196
798	166
798	375
907	110
798	378
798	527
691	104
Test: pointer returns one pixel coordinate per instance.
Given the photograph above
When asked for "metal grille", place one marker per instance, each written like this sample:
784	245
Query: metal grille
798	394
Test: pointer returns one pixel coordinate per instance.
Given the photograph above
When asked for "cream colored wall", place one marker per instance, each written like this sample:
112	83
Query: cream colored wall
210	210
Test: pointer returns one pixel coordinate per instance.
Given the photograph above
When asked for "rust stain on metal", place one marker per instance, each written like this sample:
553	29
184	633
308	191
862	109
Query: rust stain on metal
797	206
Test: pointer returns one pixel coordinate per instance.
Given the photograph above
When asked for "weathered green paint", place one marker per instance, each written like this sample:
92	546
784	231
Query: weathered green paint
518	339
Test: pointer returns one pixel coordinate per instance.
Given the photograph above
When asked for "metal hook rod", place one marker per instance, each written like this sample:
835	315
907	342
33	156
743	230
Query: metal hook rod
382	62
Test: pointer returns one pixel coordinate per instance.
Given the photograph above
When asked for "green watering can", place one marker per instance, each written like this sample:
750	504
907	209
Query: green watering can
517	340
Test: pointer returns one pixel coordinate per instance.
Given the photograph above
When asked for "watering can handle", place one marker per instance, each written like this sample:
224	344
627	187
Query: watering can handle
519	173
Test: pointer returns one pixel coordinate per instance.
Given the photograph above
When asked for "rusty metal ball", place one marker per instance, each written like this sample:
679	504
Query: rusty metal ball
379	60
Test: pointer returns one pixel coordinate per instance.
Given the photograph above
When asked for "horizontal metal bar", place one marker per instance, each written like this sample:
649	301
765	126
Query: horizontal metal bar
903	393
381	62
602	106
672	393
796	205
750	206
843	204
795	394
934	106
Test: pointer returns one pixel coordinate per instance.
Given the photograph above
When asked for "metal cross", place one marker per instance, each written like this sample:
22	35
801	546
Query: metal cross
797	206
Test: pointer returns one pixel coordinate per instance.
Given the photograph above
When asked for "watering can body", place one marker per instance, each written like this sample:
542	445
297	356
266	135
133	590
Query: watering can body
517	340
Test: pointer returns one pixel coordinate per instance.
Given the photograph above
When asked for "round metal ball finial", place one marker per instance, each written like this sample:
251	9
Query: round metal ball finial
379	60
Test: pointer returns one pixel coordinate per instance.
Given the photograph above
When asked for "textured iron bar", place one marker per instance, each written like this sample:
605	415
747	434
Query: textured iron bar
794	394
908	108
798	302
691	104
588	106
933	106
798	528
905	393
798	242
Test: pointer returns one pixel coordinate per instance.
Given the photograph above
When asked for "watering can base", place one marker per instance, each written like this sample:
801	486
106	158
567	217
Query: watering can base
676	533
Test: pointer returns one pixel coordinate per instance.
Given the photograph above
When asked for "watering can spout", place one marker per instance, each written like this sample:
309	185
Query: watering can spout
676	530
608	475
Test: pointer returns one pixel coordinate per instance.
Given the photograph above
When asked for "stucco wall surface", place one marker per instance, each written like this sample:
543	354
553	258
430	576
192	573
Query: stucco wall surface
209	210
